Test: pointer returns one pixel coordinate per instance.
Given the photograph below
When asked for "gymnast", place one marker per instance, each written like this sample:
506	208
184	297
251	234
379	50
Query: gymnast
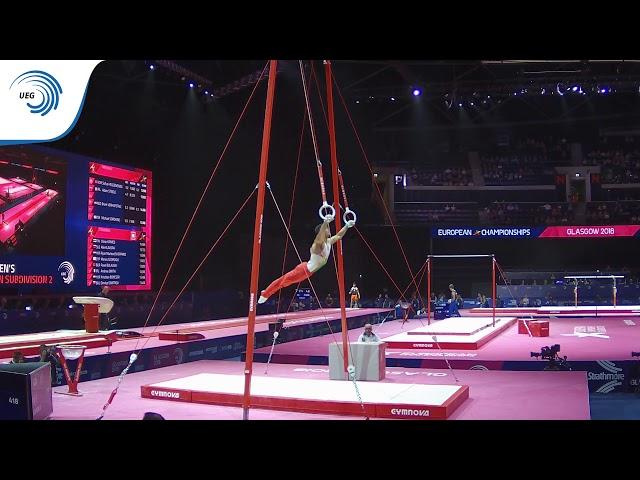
320	251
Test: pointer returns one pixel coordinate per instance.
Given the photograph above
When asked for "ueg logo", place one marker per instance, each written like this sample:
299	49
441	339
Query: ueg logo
38	85
158	393
67	272
407	412
614	377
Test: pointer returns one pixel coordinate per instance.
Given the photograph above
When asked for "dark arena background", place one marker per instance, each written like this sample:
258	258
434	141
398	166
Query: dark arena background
492	212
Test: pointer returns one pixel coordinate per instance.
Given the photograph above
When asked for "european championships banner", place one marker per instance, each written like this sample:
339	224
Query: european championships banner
596	231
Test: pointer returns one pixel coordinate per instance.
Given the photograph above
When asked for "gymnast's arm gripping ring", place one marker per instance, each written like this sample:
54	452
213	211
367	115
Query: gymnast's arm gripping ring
326	210
349	212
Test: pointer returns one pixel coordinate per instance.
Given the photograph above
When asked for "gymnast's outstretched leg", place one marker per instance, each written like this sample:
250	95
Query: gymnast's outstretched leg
298	274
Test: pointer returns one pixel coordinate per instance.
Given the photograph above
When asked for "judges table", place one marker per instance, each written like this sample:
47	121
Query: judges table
93	306
368	358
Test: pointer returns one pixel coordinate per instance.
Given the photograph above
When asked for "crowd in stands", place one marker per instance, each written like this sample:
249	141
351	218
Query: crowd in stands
527	162
607	212
506	213
516	169
37	313
450	176
619	164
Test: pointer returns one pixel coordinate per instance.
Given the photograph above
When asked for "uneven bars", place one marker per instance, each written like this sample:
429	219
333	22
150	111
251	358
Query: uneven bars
460	256
596	276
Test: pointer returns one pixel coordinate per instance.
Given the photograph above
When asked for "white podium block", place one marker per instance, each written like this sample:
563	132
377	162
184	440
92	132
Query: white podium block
368	358
93	306
104	304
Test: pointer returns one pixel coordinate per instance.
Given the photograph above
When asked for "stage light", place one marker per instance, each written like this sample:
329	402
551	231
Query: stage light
460	104
417	92
543	91
70	306
357	101
152	67
393	99
206	92
191	85
574	89
472	104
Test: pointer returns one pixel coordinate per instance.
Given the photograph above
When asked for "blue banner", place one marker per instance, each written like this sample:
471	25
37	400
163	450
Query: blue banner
487	232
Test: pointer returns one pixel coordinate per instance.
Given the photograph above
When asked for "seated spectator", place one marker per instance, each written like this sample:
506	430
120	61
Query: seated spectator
18	357
387	301
379	301
482	301
368	335
328	301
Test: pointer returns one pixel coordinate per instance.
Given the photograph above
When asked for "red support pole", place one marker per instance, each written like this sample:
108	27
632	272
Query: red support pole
257	238
336	205
428	291
493	285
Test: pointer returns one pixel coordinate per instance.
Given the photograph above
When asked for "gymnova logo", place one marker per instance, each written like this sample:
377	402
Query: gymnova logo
409	412
613	378
38	85
158	393
479	367
67	272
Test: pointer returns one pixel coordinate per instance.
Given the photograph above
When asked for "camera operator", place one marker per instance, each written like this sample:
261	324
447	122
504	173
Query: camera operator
47	355
551	354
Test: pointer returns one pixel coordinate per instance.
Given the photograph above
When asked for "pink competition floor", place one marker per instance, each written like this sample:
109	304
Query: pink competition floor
493	394
586	338
226	328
